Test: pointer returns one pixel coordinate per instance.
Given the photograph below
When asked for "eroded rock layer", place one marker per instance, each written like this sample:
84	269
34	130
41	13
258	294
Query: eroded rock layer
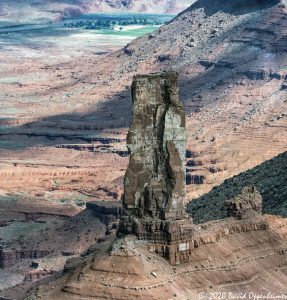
226	258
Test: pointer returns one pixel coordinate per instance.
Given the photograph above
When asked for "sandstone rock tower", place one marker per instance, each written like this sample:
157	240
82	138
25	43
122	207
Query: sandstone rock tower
155	178
154	200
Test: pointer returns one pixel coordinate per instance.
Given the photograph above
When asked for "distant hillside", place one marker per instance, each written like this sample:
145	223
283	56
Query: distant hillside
153	6
28	10
269	178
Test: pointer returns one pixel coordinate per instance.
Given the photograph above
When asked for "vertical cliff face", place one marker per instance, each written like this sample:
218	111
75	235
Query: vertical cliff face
155	178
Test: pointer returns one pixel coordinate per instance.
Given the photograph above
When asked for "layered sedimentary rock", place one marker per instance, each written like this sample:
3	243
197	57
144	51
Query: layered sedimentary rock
226	258
155	178
35	275
9	257
108	212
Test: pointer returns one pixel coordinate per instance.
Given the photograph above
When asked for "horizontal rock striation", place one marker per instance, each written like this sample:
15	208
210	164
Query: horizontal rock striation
9	257
224	255
109	212
35	275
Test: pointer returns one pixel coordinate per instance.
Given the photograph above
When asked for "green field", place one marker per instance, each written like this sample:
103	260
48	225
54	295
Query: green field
77	32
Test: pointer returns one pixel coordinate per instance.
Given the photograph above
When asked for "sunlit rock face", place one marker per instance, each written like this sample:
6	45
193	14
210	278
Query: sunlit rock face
155	178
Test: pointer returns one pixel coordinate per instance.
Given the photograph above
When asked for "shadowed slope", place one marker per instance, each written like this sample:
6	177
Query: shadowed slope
269	178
